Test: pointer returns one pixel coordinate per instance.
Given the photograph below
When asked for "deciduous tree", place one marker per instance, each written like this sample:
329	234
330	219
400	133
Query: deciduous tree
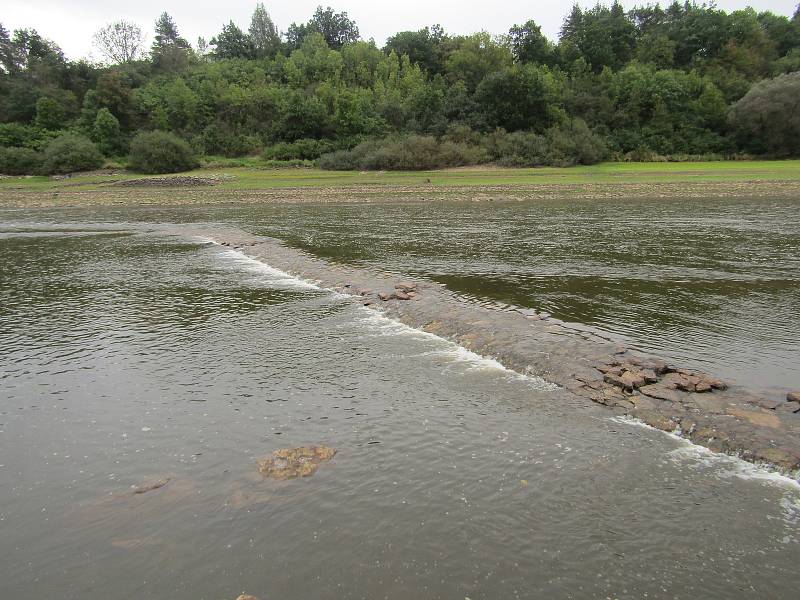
120	42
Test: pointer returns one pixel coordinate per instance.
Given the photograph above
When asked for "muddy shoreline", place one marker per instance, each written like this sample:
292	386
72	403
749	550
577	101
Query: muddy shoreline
118	193
697	406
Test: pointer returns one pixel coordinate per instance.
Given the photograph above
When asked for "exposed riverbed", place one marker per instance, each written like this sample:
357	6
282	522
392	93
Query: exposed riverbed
135	352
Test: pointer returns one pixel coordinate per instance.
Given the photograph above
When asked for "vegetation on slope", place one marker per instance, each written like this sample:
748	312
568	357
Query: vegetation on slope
651	83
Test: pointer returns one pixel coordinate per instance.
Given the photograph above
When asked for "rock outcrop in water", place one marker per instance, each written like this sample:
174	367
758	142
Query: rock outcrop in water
293	463
695	405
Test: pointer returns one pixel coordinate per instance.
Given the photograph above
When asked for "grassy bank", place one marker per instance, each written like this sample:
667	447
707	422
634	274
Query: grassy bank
253	178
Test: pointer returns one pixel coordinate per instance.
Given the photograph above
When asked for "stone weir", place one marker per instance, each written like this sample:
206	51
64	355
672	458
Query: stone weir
695	405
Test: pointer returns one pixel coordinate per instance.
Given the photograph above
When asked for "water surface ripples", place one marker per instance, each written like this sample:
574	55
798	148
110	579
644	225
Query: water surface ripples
131	355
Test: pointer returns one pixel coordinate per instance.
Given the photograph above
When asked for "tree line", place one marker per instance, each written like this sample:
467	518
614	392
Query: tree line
652	83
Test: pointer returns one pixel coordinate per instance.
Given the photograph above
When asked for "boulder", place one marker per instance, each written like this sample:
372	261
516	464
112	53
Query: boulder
246	597
386	296
401	295
406	286
292	463
793	397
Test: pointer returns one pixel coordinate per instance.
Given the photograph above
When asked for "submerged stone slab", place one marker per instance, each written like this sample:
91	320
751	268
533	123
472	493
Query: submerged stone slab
293	463
150	486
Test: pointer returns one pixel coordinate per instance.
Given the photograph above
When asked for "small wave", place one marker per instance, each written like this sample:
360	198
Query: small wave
724	466
266	273
383	325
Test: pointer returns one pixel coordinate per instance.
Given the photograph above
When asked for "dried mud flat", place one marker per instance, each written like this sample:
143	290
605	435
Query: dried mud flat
178	191
695	405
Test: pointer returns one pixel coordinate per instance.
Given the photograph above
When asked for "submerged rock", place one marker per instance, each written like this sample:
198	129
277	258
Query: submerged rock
246	597
768	403
292	463
789	408
149	486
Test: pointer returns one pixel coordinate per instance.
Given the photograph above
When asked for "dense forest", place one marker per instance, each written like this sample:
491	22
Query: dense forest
653	83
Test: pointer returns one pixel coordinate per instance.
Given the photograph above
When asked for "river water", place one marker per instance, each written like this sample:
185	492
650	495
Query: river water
130	355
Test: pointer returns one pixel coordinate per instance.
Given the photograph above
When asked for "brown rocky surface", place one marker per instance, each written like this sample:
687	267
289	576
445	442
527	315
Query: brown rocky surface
292	463
571	356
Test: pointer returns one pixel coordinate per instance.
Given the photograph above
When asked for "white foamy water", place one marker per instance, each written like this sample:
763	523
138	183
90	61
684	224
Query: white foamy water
263	271
723	466
381	325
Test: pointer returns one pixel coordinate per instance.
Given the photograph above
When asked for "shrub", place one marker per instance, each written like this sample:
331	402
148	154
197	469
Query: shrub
411	153
303	149
225	140
19	161
107	133
341	160
160	152
518	149
766	119
575	144
16	135
69	153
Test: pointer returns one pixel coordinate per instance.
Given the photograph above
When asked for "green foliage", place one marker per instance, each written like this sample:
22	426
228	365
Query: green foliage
49	114
18	135
520	97
264	36
411	153
160	152
767	119
425	47
517	149
336	28
474	57
169	52
304	149
656	81
529	44
107	133
70	153
19	161
232	42
575	144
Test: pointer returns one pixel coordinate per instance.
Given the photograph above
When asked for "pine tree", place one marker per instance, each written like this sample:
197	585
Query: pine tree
170	51
264	35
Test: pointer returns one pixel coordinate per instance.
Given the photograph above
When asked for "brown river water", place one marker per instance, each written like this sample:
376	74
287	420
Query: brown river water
129	354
